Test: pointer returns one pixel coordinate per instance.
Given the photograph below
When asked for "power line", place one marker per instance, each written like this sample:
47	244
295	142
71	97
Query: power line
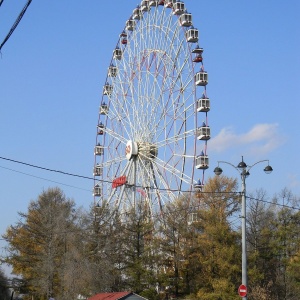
46	169
106	181
98	180
272	203
45	179
16	22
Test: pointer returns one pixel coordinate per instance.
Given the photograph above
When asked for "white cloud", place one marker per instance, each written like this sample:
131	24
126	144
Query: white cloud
261	139
293	180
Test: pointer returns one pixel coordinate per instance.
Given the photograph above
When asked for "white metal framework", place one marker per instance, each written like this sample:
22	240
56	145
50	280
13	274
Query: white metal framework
147	146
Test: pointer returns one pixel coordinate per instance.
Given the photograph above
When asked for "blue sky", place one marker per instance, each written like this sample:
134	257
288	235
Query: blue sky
53	67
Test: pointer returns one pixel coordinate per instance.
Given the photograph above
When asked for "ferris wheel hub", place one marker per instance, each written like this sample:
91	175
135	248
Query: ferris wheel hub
147	150
131	149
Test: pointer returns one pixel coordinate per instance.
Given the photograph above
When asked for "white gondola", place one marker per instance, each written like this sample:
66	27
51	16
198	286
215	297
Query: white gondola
112	71
145	5
117	54
170	3
192	35
178	8
98	170
130	25
202	162
137	14
198	186
107	89
97	190
201	78
103	109
203	133
186	19
192	218
101	128
153	2
99	150
203	104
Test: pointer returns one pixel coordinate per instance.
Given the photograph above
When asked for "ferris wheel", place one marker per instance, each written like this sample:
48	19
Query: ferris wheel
152	131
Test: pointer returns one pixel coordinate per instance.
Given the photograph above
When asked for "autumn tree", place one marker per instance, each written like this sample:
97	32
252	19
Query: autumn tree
42	245
219	255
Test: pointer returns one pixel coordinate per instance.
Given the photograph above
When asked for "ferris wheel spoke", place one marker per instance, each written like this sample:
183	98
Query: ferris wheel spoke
151	182
175	138
116	135
112	190
164	184
157	190
115	160
170	169
120	112
168	128
166	191
180	68
187	83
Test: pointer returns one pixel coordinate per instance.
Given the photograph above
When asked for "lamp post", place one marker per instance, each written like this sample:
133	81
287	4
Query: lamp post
243	170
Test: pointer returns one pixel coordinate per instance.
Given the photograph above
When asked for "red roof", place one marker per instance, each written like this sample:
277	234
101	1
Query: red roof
110	296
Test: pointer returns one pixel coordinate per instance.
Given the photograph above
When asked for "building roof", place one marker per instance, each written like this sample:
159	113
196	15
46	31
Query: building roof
110	296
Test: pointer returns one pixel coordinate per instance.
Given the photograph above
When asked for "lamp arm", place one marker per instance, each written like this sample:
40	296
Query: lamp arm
225	162
250	167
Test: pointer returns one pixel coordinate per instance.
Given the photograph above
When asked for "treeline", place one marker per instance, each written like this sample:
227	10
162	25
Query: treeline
190	250
4	287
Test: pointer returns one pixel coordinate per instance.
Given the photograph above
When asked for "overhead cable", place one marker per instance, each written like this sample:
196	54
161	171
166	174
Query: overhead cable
16	22
42	178
106	181
46	169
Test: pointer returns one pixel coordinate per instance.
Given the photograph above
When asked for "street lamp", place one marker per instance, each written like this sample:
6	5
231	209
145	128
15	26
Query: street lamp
243	170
